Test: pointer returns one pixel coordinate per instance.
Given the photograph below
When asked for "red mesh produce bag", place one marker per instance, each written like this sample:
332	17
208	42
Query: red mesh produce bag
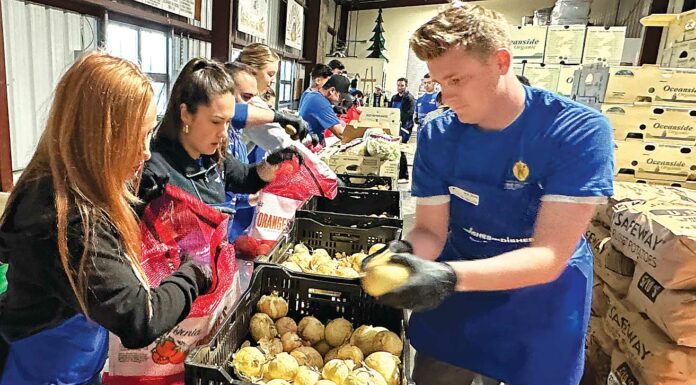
173	225
277	203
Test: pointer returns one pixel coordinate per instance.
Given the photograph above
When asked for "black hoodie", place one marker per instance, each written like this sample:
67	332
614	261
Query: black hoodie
203	177
40	297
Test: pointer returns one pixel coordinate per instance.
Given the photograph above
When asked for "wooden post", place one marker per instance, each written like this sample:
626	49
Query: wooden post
5	148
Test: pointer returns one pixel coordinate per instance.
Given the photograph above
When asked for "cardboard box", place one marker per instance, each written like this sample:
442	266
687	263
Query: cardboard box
356	129
543	75
650	83
564	44
604	45
691	185
566	77
528	43
680	27
388	117
655	161
652	123
590	82
683	55
363	165
3	201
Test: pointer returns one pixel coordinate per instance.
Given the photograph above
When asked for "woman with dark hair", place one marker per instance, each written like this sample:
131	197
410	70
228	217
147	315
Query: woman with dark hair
190	145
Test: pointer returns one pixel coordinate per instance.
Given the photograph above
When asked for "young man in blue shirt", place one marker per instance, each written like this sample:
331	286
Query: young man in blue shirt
426	103
404	101
318	107
320	74
506	182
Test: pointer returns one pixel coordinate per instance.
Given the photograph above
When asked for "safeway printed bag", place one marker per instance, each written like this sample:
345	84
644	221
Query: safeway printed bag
293	184
172	226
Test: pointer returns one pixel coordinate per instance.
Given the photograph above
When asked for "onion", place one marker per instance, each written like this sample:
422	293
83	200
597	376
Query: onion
290	341
337	370
311	330
285	324
385	364
338	331
273	305
350	352
248	363
262	327
283	366
307	355
387	341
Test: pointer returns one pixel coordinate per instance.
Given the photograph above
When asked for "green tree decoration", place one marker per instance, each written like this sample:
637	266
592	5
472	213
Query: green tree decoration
377	47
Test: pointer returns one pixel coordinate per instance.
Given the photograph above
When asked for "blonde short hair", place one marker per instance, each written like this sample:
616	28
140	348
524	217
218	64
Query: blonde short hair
472	27
257	55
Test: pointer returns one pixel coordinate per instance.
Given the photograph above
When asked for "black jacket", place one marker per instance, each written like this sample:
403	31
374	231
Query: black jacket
40	297
408	107
203	178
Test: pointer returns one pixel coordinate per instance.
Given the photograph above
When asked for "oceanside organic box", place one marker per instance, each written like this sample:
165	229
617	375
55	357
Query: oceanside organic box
653	123
655	161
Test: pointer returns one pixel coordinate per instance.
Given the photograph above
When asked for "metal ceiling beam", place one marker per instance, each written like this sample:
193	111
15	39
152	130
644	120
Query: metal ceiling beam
376	4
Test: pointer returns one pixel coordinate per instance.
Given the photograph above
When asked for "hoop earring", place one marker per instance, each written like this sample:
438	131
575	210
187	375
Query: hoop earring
186	129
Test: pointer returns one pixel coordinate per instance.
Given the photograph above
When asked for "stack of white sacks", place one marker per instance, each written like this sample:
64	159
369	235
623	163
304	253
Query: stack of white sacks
643	325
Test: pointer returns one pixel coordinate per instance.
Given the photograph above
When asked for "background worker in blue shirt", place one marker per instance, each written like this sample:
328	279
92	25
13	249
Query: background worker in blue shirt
318	107
506	182
320	74
426	102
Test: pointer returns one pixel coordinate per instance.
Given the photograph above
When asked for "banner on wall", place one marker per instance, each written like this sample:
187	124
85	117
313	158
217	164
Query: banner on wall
294	26
186	8
253	17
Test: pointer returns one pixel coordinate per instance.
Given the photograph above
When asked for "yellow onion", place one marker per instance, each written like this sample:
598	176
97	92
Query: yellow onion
337	370
364	336
322	347
346	272
273	305
357	260
332	354
300	248
385	364
326	382
387	341
285	324
311	329
302	260
382	276
364	376
307	355
375	248
307	376
292	266
262	327
290	341
271	347
350	352
338	331
319	259
248	363
326	268
283	366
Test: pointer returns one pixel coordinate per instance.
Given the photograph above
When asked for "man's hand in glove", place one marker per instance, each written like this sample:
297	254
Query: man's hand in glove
428	285
340	110
151	188
285	119
315	139
280	156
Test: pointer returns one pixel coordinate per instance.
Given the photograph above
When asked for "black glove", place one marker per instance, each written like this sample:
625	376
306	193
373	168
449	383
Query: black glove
296	122
151	188
203	271
429	284
280	156
340	110
315	139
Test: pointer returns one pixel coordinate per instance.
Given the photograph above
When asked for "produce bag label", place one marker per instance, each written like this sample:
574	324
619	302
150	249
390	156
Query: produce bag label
661	238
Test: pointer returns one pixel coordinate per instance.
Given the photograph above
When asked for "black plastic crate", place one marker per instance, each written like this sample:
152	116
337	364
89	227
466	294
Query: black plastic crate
337	238
356	201
366	181
324	299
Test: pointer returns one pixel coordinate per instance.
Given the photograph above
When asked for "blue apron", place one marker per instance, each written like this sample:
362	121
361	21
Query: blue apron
72	353
530	336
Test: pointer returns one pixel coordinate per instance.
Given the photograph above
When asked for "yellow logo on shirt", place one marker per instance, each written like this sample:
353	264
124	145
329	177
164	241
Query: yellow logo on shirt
521	171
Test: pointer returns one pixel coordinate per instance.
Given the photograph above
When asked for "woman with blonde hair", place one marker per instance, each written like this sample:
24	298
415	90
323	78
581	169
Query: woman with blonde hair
71	236
265	137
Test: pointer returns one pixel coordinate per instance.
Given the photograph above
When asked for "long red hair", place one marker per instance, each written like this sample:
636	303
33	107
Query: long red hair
92	140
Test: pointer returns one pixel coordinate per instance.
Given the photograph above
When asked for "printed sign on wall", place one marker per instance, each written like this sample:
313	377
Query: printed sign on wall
253	17
294	25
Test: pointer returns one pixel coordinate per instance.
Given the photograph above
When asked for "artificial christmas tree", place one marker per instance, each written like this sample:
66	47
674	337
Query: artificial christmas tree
377	39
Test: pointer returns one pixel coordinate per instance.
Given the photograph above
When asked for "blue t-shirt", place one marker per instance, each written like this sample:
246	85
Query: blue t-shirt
425	104
317	111
556	150
304	93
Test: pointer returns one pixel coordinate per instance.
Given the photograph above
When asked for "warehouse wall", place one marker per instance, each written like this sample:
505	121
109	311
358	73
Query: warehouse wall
400	23
41	42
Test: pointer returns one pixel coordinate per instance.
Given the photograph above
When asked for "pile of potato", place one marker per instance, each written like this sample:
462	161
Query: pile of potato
311	353
320	262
